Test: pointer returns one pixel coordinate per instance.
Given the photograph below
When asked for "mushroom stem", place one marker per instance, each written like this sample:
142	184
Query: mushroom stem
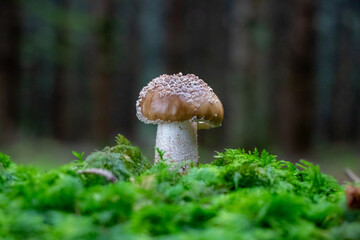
179	142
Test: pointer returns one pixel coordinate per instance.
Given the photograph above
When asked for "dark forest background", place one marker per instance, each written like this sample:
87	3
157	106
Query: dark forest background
287	72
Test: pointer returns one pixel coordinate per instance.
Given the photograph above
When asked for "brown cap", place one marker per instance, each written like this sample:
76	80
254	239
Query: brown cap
179	98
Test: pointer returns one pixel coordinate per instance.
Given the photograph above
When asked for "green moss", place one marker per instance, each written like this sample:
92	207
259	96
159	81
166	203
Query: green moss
135	162
240	195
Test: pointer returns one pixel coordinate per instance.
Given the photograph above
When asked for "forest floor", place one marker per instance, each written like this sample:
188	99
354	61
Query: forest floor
48	153
117	192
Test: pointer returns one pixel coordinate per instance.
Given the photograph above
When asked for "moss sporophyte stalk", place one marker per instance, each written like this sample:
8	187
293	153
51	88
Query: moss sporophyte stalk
240	195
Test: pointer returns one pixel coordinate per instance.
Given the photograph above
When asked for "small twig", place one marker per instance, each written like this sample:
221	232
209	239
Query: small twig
352	175
102	172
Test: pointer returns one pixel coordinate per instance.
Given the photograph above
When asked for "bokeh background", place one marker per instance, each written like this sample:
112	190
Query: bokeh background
287	72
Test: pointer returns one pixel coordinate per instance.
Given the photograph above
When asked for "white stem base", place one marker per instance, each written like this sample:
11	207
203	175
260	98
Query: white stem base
179	141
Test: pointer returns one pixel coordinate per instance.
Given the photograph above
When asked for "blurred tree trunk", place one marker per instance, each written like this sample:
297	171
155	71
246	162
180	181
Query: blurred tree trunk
104	72
174	37
59	107
249	88
127	68
327	39
295	103
338	71
346	97
10	36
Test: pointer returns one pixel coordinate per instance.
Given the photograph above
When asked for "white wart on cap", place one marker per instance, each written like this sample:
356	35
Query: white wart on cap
178	102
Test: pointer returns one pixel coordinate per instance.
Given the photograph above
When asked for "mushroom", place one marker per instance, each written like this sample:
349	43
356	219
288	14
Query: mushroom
179	104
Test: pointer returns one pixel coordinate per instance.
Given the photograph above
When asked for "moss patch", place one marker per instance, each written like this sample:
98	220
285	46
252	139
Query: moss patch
240	195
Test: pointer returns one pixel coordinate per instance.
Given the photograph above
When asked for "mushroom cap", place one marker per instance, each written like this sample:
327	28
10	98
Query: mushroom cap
179	98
